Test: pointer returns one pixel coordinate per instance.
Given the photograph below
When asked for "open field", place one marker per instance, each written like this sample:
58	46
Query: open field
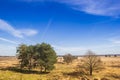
8	71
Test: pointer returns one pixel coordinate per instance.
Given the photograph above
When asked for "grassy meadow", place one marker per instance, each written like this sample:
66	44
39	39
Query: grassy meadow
9	71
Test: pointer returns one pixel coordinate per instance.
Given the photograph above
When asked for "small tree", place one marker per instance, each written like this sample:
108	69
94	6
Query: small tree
68	58
115	55
91	62
106	56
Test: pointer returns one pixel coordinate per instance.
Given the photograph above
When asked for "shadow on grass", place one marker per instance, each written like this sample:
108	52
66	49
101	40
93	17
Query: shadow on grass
74	74
24	71
114	75
78	75
115	66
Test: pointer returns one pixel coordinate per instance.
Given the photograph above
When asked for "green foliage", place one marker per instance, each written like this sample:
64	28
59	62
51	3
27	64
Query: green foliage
22	55
46	57
68	58
30	53
40	55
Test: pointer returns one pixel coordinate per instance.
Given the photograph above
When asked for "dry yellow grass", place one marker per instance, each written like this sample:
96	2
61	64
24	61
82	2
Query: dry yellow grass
8	62
61	72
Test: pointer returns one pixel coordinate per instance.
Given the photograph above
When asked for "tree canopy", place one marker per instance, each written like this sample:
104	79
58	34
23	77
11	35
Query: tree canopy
39	55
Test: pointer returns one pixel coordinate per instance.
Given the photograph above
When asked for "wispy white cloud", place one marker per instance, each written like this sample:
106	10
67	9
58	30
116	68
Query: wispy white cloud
95	7
115	40
28	32
20	33
7	40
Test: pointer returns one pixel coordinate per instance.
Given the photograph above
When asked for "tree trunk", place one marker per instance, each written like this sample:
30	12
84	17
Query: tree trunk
45	69
40	68
91	71
21	66
30	64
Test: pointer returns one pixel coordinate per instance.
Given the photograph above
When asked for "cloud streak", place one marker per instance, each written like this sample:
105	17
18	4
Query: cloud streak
7	40
20	33
115	41
94	7
99	7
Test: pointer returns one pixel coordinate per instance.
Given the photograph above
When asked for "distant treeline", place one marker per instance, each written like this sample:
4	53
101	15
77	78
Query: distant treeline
97	55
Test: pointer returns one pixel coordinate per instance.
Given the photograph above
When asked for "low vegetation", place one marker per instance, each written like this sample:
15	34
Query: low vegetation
38	62
68	58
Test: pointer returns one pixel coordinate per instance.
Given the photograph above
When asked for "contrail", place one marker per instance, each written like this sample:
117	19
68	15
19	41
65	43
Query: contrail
46	29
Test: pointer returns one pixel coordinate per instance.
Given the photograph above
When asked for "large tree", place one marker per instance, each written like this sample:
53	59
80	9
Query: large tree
91	62
30	56
46	57
22	55
40	55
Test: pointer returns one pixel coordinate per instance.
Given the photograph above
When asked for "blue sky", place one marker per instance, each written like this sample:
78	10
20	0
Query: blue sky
70	26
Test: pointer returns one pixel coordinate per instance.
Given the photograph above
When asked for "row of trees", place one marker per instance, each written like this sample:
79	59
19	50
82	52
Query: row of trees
40	56
89	62
44	57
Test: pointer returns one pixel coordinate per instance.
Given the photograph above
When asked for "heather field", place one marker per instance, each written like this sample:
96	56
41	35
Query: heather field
9	71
